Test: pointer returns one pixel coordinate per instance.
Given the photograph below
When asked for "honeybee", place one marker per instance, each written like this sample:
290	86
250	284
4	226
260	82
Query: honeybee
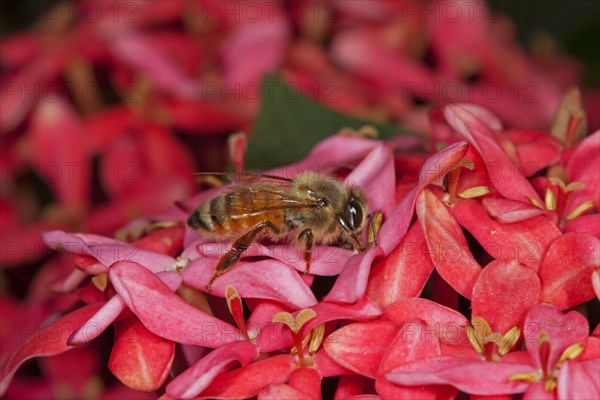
309	209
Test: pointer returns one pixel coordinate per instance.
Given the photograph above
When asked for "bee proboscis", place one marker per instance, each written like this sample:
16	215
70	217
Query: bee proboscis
310	209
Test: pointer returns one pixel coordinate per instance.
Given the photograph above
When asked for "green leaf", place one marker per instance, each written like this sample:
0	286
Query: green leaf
289	125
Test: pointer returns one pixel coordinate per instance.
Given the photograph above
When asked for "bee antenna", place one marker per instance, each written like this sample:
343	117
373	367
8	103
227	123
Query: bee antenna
373	229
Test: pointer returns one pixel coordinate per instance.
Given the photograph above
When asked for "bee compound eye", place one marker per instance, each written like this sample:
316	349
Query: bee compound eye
355	214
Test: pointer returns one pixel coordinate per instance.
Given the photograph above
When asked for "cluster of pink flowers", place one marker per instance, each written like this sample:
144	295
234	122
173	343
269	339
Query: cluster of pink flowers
489	237
528	202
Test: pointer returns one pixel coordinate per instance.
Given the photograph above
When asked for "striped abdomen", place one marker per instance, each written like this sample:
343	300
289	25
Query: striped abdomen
235	213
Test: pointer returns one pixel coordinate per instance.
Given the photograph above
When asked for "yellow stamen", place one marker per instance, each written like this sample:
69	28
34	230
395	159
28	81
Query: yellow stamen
316	338
535	202
508	341
550	385
580	209
525	376
100	281
570	353
574	186
550	200
558	182
472	335
476	191
295	323
231	294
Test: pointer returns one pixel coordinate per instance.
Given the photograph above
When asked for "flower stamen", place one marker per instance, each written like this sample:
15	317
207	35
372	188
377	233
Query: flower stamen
548	373
236	309
491	345
295	324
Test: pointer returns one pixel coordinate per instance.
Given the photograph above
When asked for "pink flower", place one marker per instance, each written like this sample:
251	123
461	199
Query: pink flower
553	365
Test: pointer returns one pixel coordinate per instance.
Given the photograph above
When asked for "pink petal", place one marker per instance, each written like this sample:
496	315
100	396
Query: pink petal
89	265
363	310
584	166
563	330
388	390
19	49
591	349
579	380
405	310
360	51
503	294
525	241
351	386
111	310
351	285
139	358
36	76
376	10
447	245
308	381
248	381
537	391
167	241
268	336
361	346
104	127
200	375
69	283
326	260
403	273
484	115
327	366
164	153
436	167
24	244
509	181
106	250
138	51
163	312
197	117
509	211
305	380
114	215
254	48
327	155
98	322
75	380
536	150
265	279
596	283
413	342
279	391
459	372
589	223
64	167
49	340
566	268
445	324
376	176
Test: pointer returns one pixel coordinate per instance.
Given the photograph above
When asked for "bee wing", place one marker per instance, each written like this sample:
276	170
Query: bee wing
259	198
242	177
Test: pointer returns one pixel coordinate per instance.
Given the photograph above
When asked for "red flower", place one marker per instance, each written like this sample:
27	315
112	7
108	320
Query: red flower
554	363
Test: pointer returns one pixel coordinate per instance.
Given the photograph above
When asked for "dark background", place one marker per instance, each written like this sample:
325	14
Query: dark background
575	24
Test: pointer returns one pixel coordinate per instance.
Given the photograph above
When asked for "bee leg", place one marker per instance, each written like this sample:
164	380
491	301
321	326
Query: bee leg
228	260
309	240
